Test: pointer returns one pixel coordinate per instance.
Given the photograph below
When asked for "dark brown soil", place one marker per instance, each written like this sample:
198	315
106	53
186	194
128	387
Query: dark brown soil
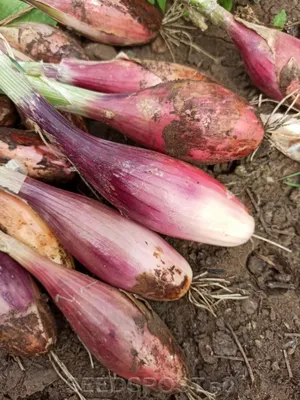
264	324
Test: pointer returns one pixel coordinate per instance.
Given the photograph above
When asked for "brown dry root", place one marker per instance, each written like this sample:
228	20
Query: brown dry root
175	32
194	391
208	293
65	375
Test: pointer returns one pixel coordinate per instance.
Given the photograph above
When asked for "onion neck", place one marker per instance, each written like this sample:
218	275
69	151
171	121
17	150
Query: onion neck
81	101
40	68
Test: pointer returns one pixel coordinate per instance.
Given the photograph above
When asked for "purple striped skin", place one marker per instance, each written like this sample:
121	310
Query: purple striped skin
117	22
271	57
115	249
126	337
121	75
116	76
194	121
26	325
161	193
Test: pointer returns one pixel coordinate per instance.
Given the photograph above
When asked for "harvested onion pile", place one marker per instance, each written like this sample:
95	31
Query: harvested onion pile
180	115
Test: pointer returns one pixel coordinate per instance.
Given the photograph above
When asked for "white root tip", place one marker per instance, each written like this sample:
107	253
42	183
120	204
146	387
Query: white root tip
273	243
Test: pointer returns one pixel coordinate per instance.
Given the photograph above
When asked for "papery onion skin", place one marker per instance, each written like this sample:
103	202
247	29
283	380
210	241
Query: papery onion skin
271	57
117	23
26	326
121	75
41	161
20	221
18	55
125	336
8	112
163	194
42	41
286	136
115	249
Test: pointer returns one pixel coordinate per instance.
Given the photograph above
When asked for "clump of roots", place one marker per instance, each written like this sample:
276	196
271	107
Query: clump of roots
208	293
175	31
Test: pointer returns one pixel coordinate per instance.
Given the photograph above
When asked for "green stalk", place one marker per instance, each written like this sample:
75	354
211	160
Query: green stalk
213	11
58	94
65	97
12	81
32	68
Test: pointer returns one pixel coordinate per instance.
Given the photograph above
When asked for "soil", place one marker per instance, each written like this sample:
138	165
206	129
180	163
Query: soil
267	324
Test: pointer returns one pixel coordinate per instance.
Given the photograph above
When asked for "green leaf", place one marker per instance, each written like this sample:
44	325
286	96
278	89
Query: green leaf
291	184
280	19
36	16
161	3
11	7
227	4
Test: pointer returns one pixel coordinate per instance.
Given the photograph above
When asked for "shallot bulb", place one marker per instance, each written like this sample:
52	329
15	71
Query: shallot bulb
26	326
121	75
195	121
118	22
271	57
42	42
41	161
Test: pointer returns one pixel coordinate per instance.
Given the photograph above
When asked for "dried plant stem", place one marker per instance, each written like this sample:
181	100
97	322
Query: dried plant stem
273	243
65	375
242	351
194	390
288	366
19	362
88	352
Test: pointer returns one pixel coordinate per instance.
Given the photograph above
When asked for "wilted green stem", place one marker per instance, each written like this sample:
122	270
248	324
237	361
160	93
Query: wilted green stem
212	10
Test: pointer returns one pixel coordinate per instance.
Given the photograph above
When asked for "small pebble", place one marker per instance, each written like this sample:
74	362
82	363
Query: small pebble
256	265
272	315
249	306
275	366
159	46
265	313
241	171
206	351
98	51
295	196
258	344
291	351
223	344
269	335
